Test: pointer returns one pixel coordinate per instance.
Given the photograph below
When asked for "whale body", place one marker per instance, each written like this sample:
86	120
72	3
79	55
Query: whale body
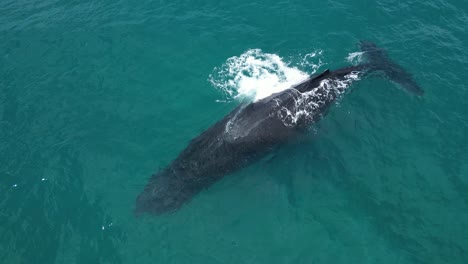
250	131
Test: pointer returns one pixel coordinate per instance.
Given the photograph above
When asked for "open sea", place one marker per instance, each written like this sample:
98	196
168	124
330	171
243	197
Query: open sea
96	96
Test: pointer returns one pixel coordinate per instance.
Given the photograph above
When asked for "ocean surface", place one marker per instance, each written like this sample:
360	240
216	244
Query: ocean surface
96	96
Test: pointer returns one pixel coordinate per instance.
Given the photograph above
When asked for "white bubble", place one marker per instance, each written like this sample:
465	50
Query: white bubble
355	57
256	75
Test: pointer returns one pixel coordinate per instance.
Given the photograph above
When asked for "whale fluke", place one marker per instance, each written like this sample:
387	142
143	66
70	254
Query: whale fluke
380	62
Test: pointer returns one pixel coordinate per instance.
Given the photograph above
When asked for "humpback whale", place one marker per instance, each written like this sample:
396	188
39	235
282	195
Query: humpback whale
251	130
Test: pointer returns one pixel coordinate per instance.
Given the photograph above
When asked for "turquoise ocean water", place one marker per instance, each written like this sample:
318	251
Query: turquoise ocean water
95	96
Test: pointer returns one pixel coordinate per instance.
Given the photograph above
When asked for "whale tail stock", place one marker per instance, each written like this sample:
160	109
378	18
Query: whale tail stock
378	61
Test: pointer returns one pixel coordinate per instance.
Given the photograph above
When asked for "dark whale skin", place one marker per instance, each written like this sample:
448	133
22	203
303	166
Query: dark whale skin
251	130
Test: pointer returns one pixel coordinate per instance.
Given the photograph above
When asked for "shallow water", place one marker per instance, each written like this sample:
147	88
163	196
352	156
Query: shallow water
97	96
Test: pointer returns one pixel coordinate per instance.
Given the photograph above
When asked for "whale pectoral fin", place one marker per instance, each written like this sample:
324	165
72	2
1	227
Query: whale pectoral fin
286	182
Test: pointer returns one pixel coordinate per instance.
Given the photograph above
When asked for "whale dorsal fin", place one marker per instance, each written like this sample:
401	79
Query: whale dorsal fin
321	75
313	81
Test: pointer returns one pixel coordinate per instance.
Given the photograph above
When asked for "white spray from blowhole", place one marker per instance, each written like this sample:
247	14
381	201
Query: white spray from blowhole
255	75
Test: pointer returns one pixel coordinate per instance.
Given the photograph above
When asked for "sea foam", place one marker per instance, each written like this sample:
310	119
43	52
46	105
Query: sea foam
255	74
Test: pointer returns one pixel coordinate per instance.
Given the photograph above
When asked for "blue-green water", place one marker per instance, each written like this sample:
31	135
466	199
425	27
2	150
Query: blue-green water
95	96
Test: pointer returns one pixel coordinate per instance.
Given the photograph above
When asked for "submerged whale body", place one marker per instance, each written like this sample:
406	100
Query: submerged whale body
251	130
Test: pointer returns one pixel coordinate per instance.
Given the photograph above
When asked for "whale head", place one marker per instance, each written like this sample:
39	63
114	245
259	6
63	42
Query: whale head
165	193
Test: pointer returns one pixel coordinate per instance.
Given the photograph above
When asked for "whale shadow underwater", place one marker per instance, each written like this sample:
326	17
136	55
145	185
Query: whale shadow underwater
252	130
